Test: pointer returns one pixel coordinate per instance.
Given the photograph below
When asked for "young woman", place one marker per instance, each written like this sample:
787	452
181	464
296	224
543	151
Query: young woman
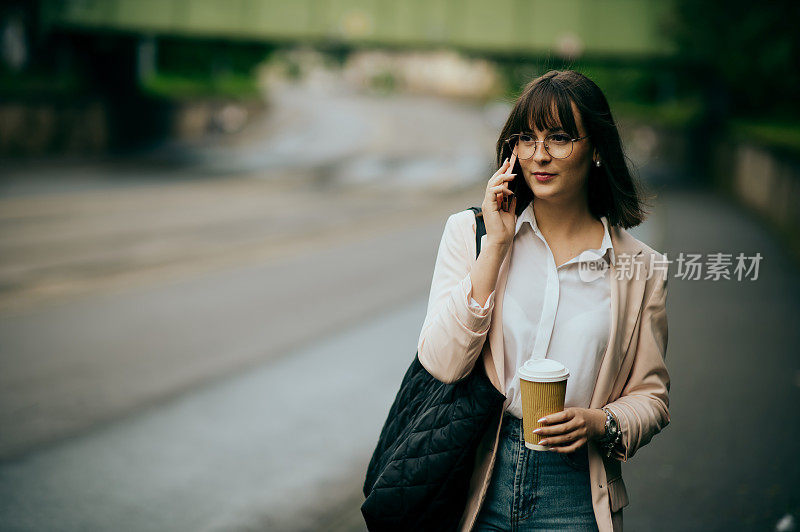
558	277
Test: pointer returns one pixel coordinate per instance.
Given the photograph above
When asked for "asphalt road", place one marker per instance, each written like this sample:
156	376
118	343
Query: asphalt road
727	460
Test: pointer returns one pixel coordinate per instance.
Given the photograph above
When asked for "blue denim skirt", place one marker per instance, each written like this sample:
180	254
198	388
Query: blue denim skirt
536	490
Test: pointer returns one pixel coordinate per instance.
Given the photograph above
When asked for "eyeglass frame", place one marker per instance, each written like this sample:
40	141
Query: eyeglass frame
572	146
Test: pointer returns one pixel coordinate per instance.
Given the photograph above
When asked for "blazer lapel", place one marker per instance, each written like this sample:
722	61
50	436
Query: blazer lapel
626	297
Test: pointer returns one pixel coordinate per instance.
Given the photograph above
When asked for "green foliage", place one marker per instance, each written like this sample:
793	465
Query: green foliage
749	49
676	114
634	84
192	57
384	82
192	69
177	86
40	84
781	134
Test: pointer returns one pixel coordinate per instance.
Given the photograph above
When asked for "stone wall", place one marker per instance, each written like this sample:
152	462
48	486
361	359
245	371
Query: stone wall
764	180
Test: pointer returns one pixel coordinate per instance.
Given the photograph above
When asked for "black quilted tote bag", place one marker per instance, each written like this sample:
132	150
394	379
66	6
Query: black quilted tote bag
418	477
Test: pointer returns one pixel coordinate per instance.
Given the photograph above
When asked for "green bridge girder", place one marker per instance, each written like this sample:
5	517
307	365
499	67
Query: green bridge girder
622	29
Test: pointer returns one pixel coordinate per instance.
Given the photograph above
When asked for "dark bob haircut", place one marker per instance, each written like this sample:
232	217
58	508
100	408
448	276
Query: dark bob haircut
612	191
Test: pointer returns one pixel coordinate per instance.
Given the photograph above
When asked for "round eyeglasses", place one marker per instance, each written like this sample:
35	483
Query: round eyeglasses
558	145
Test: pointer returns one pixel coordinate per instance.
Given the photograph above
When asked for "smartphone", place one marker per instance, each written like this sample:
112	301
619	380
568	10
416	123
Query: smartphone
512	185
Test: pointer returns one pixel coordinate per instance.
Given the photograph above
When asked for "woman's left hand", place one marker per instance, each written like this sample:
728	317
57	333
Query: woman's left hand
568	430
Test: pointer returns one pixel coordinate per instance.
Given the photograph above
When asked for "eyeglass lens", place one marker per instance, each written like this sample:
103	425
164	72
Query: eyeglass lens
558	145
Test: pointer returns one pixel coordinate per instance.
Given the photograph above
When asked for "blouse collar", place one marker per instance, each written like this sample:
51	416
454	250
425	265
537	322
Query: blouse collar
606	250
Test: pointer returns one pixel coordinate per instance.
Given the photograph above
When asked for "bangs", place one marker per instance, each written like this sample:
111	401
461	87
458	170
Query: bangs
548	106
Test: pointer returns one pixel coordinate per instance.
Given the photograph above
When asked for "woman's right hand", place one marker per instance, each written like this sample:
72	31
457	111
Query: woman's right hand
500	224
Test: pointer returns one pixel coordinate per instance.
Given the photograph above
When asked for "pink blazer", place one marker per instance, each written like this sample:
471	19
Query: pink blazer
633	380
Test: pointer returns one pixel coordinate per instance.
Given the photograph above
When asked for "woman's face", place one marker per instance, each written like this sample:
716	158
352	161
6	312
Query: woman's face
569	179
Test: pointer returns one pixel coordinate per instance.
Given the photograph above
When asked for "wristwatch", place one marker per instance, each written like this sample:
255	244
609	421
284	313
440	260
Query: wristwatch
613	433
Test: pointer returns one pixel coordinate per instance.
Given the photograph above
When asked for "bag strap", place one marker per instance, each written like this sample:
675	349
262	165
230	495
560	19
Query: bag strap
480	229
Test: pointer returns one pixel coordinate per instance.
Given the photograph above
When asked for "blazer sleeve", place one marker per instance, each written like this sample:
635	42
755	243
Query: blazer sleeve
454	331
642	410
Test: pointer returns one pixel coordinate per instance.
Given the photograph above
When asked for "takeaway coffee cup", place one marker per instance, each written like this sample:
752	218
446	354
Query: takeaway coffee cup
543	383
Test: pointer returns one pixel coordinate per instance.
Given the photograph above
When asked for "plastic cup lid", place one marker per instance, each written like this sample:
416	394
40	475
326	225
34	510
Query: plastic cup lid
543	370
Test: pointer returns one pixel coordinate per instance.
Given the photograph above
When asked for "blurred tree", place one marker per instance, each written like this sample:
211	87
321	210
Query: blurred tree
741	58
744	55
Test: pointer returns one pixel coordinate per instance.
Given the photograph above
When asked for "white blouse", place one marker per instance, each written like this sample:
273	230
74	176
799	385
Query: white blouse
559	313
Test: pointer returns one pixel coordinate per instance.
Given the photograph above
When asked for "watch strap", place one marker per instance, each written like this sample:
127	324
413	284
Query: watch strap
613	432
